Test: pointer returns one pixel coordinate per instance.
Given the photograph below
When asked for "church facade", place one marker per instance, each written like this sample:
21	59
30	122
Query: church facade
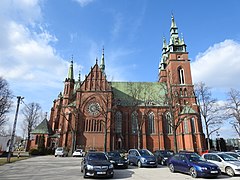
98	114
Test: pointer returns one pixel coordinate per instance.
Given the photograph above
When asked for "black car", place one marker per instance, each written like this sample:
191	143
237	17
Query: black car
117	160
96	164
163	156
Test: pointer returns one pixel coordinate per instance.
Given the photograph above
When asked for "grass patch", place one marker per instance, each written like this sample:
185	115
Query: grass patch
3	160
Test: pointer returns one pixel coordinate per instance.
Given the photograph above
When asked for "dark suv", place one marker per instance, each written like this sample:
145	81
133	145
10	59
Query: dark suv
96	164
142	157
163	156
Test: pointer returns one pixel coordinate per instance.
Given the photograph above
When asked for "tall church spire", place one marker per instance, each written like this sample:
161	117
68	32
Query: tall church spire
102	65
70	71
176	44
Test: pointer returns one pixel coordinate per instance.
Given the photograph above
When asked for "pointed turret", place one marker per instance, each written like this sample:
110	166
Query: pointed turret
102	65
164	55
164	48
70	71
176	44
173	29
78	82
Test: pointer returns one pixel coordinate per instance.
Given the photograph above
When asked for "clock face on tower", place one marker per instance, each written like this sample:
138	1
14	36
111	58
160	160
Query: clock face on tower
93	108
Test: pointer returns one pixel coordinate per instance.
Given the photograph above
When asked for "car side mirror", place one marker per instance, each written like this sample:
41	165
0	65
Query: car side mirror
219	160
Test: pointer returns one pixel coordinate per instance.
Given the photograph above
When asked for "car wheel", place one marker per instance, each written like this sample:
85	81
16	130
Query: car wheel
171	168
84	174
193	172
139	164
111	176
230	171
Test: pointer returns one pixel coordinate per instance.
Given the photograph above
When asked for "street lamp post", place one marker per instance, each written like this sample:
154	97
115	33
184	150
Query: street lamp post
134	143
14	129
219	141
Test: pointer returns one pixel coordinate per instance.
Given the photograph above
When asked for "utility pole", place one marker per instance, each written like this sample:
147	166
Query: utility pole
14	129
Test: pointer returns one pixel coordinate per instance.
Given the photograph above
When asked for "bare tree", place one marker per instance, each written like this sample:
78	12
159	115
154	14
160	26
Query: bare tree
177	108
178	101
32	113
106	109
73	124
142	95
5	100
209	110
233	109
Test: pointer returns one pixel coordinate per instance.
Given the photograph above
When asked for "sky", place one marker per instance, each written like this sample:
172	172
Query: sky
40	37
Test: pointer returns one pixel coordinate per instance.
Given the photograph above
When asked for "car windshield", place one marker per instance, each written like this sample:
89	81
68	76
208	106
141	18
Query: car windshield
145	152
233	155
166	153
59	149
78	150
194	157
114	154
97	156
226	157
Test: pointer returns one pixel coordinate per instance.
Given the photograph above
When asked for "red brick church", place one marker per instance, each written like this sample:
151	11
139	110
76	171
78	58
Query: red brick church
98	114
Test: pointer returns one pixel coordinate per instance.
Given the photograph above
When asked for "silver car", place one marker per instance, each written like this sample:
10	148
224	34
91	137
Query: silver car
61	151
226	163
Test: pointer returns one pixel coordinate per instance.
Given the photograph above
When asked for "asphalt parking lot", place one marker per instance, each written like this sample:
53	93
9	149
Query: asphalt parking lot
55	168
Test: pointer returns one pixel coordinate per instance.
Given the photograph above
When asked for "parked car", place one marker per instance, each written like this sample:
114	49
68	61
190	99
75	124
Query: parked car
233	154
61	151
226	163
96	164
163	156
117	160
237	151
142	157
78	153
193	164
208	151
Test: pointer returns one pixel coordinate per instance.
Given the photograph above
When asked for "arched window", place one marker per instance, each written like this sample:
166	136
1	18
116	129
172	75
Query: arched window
193	125
151	128
118	122
36	140
168	123
134	118
181	93
185	91
185	125
181	75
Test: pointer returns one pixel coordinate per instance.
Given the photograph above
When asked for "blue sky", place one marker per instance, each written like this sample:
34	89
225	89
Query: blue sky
39	38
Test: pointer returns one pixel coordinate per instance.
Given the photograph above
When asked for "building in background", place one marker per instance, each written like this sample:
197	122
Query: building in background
98	114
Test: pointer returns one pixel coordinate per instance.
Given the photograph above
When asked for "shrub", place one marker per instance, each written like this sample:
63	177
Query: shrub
33	152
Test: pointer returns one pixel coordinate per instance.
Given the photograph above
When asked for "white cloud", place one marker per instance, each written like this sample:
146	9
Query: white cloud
219	65
84	3
28	61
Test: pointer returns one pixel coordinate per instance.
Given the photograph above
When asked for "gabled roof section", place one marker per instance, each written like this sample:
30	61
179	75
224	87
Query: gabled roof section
187	110
139	93
96	80
43	128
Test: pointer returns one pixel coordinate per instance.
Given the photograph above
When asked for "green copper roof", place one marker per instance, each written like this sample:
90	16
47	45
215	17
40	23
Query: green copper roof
42	128
102	65
139	93
70	71
173	24
187	110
